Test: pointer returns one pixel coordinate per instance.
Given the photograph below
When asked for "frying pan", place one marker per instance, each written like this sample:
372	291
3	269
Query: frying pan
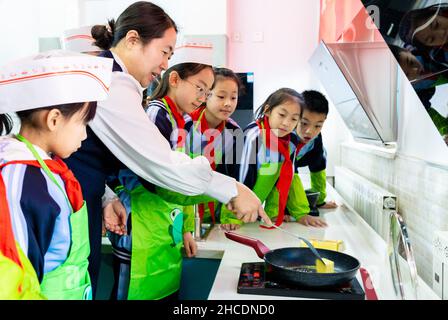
285	265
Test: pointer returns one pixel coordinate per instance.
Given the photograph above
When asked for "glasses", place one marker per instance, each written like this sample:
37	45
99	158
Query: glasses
200	92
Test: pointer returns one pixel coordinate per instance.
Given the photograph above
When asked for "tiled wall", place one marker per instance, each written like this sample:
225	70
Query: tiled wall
366	198
422	192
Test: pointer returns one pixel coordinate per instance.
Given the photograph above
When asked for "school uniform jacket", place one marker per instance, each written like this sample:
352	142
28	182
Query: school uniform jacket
255	157
225	145
40	213
314	156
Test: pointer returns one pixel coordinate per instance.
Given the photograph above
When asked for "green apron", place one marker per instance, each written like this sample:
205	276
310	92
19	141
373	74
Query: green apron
189	210
266	191
71	280
188	225
267	177
319	183
156	260
297	204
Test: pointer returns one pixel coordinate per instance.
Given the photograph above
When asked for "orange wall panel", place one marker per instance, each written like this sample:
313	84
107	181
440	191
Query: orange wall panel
345	21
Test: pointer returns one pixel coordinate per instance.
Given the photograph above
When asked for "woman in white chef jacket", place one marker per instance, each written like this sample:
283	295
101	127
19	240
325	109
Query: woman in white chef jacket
114	214
141	41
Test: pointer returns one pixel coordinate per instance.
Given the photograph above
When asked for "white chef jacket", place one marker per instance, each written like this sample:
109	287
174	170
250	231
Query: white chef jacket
123	126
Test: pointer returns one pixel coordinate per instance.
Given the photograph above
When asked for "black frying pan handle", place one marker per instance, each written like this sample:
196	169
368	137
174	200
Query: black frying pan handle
259	247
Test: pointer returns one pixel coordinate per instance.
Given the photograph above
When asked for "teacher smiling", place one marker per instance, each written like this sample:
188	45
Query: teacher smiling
121	136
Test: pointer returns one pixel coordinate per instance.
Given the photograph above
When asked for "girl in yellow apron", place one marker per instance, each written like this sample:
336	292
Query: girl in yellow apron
44	238
267	165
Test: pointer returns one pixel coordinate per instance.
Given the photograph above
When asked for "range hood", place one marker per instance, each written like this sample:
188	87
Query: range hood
361	81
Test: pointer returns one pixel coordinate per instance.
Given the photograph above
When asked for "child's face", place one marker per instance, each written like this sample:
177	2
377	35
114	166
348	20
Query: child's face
68	133
284	118
310	125
223	99
436	34
191	92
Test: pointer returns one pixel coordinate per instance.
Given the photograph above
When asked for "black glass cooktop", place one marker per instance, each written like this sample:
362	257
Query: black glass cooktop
254	280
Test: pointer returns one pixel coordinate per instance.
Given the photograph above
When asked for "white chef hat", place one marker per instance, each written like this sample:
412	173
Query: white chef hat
193	51
79	40
53	78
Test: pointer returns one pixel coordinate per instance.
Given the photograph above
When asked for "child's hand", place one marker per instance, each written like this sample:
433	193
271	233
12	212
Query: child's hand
114	217
311	221
230	227
191	247
329	205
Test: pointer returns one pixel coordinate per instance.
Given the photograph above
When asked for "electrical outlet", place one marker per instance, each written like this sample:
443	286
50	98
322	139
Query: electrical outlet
236	37
437	281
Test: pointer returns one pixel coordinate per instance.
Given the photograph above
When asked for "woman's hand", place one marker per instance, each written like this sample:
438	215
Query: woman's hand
247	206
114	217
191	247
311	221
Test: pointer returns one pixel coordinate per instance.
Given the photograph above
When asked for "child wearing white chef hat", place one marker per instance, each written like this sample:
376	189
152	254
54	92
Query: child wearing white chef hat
43	219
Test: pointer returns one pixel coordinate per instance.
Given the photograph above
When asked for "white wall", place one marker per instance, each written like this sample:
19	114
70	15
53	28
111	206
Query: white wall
191	16
289	31
279	58
23	22
334	133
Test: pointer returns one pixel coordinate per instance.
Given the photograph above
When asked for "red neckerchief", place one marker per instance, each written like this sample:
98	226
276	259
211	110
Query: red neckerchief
72	187
180	122
199	115
280	145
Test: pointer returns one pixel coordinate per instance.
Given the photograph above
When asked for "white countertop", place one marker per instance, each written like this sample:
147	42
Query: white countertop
360	240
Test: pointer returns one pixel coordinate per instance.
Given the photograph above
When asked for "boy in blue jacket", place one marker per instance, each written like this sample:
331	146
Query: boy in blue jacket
313	153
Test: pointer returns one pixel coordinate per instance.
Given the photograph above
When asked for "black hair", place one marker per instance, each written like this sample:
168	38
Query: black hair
277	98
414	19
315	102
224	73
184	70
68	110
5	124
148	19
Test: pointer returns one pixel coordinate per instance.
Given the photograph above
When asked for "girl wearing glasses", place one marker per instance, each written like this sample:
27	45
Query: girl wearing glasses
213	134
156	219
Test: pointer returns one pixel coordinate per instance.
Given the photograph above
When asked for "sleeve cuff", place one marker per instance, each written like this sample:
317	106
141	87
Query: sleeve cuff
108	196
222	188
